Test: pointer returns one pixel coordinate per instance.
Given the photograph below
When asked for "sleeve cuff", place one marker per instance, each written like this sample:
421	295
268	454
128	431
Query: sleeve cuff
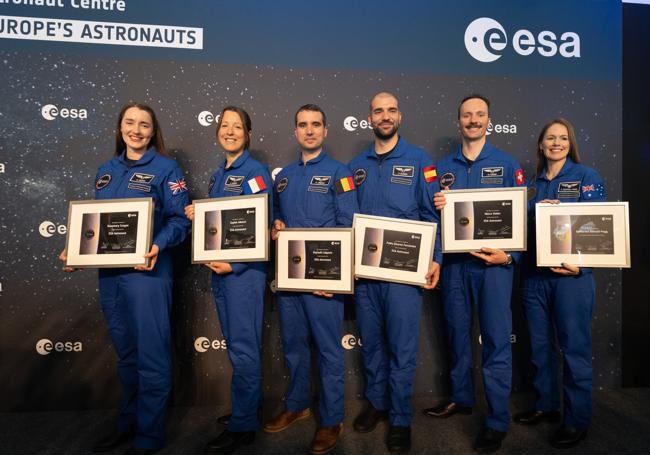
238	267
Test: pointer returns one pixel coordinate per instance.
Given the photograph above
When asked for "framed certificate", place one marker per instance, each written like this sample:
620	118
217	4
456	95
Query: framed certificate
231	229
586	234
109	232
392	249
317	259
476	218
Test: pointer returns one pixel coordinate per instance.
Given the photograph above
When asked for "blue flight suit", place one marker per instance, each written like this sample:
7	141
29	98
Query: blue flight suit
137	304
388	314
306	197
466	280
562	305
239	297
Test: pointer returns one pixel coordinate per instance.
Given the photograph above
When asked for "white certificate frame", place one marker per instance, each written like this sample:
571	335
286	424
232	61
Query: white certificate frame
517	242
283	281
209	208
84	232
367	226
619	211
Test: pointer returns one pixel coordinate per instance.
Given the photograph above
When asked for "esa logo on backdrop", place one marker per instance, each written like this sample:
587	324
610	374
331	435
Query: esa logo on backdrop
207	118
52	112
501	128
48	229
350	341
45	346
351	123
203	344
486	39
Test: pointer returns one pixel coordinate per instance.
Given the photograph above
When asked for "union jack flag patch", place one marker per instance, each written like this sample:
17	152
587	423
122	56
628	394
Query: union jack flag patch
177	186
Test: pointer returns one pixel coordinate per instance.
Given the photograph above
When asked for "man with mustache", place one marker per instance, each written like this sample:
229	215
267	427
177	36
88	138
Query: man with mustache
393	179
481	278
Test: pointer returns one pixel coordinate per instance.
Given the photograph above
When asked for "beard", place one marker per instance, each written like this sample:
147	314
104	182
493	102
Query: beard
385	136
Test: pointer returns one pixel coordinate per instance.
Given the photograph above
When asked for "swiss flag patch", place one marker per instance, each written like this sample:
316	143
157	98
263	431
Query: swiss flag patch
519	177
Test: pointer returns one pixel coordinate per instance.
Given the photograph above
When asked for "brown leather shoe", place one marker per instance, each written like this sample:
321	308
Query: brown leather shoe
284	419
326	439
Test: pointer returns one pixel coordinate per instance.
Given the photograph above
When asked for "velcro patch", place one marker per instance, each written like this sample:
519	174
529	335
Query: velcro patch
323	180
404	171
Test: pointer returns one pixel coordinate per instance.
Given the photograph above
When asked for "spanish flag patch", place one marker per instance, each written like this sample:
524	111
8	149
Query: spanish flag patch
344	185
430	174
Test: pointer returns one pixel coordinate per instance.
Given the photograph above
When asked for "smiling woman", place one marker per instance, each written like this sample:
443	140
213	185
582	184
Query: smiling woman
136	303
238	287
559	301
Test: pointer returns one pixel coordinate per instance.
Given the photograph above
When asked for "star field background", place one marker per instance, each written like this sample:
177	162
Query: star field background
49	163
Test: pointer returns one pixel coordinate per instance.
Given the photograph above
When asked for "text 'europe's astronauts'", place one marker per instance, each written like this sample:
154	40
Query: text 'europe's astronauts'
105	5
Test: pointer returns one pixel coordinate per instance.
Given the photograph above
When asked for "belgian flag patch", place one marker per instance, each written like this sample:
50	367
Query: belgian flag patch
344	185
430	174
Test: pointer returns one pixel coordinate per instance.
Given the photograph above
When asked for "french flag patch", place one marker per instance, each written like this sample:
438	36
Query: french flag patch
256	184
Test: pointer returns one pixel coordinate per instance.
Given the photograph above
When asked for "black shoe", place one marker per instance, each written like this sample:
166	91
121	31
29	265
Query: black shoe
133	450
535	417
229	441
489	440
447	409
224	419
567	437
398	439
112	440
368	419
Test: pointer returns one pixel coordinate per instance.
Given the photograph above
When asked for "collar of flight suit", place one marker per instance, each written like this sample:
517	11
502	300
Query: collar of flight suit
398	151
239	162
486	152
566	168
321	156
149	155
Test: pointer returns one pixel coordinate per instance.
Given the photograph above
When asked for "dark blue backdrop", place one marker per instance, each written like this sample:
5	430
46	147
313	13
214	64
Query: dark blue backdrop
270	57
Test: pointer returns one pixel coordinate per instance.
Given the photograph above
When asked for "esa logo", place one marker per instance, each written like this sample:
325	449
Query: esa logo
48	229
485	40
349	341
202	344
207	118
501	128
351	123
51	112
45	346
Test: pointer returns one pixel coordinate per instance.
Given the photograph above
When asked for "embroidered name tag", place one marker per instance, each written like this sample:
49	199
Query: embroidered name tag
140	186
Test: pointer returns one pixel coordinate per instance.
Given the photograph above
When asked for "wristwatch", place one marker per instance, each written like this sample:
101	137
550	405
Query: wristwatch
509	260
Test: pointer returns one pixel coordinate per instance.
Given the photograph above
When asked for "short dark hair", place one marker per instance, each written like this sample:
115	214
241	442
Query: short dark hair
157	138
245	119
574	154
473	96
310	107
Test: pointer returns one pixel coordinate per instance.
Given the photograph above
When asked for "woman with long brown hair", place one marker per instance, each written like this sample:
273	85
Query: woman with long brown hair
137	302
559	301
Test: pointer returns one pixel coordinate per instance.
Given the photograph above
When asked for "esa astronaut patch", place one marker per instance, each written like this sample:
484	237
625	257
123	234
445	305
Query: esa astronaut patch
103	181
